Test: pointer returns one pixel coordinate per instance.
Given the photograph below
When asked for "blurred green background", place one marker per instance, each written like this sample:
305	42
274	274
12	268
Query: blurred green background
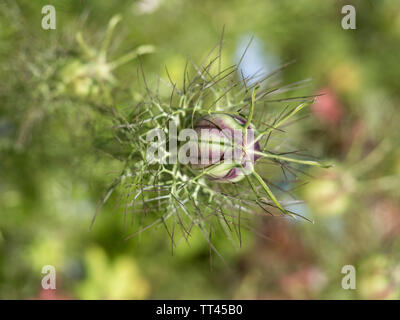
52	177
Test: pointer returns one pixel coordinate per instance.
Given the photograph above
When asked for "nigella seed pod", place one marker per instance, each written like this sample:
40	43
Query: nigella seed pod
226	150
167	157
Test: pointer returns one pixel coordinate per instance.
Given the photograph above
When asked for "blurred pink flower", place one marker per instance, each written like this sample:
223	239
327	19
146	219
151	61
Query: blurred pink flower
304	283
327	107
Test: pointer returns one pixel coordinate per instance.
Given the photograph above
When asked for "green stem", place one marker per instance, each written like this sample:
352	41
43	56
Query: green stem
282	120
107	40
283	158
269	192
131	55
204	172
86	49
250	117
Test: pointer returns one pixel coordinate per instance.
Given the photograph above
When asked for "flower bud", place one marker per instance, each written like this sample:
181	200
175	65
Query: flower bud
225	149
